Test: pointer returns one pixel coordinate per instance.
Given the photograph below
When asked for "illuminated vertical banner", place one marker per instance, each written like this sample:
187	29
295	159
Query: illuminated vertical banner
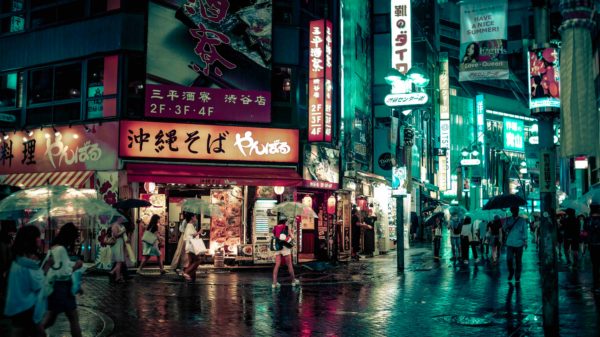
401	35
480	114
444	172
320	81
544	79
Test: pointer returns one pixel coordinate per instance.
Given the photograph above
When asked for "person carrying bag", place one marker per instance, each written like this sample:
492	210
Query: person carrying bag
151	242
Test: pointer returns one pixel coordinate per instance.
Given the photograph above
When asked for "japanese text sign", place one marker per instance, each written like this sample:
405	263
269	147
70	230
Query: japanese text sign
217	49
140	139
401	35
444	171
514	134
67	149
480	115
190	103
320	88
444	87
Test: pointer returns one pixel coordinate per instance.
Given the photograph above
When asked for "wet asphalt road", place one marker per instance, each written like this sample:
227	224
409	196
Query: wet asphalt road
366	298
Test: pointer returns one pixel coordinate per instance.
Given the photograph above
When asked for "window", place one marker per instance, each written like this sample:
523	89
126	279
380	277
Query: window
47	12
10	90
12	17
102	87
136	77
281	84
54	94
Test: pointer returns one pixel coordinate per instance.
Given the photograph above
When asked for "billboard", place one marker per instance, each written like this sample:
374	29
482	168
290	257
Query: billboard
514	134
401	35
175	141
483	32
320	81
209	60
321	167
480	122
62	148
544	79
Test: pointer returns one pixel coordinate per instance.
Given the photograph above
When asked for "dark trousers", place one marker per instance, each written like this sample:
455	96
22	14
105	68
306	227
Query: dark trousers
595	256
474	245
437	243
464	247
515	253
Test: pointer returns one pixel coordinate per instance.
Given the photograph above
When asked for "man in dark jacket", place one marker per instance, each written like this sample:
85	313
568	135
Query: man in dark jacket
570	225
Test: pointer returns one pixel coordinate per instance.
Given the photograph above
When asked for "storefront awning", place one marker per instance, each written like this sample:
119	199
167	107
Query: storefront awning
375	177
212	175
77	179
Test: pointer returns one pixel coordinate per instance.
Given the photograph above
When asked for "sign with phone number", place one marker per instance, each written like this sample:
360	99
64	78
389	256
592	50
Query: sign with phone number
190	103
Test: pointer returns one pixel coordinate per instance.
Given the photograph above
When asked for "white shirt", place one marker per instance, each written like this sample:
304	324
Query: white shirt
63	266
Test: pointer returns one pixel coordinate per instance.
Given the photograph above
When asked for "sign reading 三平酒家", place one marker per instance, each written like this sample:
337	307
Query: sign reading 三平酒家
209	60
66	149
401	35
320	87
514	134
154	140
189	103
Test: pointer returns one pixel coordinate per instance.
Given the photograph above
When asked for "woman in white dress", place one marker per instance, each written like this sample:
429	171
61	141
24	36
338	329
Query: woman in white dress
180	258
194	261
118	251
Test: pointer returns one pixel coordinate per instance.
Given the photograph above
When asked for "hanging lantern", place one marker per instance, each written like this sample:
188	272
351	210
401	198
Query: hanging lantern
150	187
331	205
361	203
307	201
279	190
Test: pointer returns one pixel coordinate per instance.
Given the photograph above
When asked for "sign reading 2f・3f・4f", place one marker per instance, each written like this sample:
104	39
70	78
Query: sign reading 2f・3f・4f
140	139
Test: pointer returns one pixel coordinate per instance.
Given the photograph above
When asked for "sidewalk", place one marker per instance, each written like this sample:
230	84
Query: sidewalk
365	298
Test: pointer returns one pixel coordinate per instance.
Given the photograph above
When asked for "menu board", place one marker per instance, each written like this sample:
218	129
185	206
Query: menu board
225	229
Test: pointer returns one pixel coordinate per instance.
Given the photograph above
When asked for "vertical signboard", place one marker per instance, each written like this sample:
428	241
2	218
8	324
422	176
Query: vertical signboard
401	35
480	122
544	79
320	81
514	134
445	172
209	60
483	31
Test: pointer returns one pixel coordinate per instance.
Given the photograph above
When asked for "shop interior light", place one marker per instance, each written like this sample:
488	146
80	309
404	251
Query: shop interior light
56	132
464	152
47	135
76	136
24	139
5	136
87	128
279	190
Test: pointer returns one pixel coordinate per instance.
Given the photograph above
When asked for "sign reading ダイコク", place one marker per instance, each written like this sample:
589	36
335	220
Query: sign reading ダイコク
139	139
401	35
69	149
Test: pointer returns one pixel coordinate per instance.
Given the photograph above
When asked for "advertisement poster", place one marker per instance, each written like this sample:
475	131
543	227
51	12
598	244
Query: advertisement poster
483	32
209	60
362	137
225	230
321	167
514	134
544	79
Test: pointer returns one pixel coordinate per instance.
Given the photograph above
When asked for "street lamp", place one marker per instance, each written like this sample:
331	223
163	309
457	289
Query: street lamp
402	95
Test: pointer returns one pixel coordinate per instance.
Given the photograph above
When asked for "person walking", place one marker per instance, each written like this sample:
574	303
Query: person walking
179	261
283	251
25	281
62	299
190	233
437	237
495	230
357	226
516	240
474	240
593	240
484	239
151	242
570	224
455	228
118	232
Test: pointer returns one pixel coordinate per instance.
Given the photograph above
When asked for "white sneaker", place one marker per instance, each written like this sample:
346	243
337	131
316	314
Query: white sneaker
275	285
295	282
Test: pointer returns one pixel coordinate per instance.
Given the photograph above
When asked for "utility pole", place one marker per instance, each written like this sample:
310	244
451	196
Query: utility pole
547	253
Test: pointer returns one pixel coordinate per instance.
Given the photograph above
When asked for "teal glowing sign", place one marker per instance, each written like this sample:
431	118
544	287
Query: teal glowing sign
514	134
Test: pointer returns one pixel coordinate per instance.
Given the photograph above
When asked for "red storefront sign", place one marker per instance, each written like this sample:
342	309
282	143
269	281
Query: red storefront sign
66	149
320	81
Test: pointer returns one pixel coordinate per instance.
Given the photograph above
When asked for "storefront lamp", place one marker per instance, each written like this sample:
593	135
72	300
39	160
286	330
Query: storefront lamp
150	187
331	205
418	77
279	190
464	152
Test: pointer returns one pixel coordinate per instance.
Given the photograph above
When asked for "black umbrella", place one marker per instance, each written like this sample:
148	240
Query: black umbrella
132	203
504	201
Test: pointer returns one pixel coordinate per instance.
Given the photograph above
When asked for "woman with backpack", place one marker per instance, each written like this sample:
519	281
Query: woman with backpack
283	250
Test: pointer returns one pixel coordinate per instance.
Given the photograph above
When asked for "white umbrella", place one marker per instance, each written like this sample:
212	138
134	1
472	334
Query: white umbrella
580	206
199	206
44	197
293	209
87	207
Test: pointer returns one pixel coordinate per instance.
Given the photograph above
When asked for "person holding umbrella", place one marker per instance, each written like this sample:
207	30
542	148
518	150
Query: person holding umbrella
437	237
515	228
